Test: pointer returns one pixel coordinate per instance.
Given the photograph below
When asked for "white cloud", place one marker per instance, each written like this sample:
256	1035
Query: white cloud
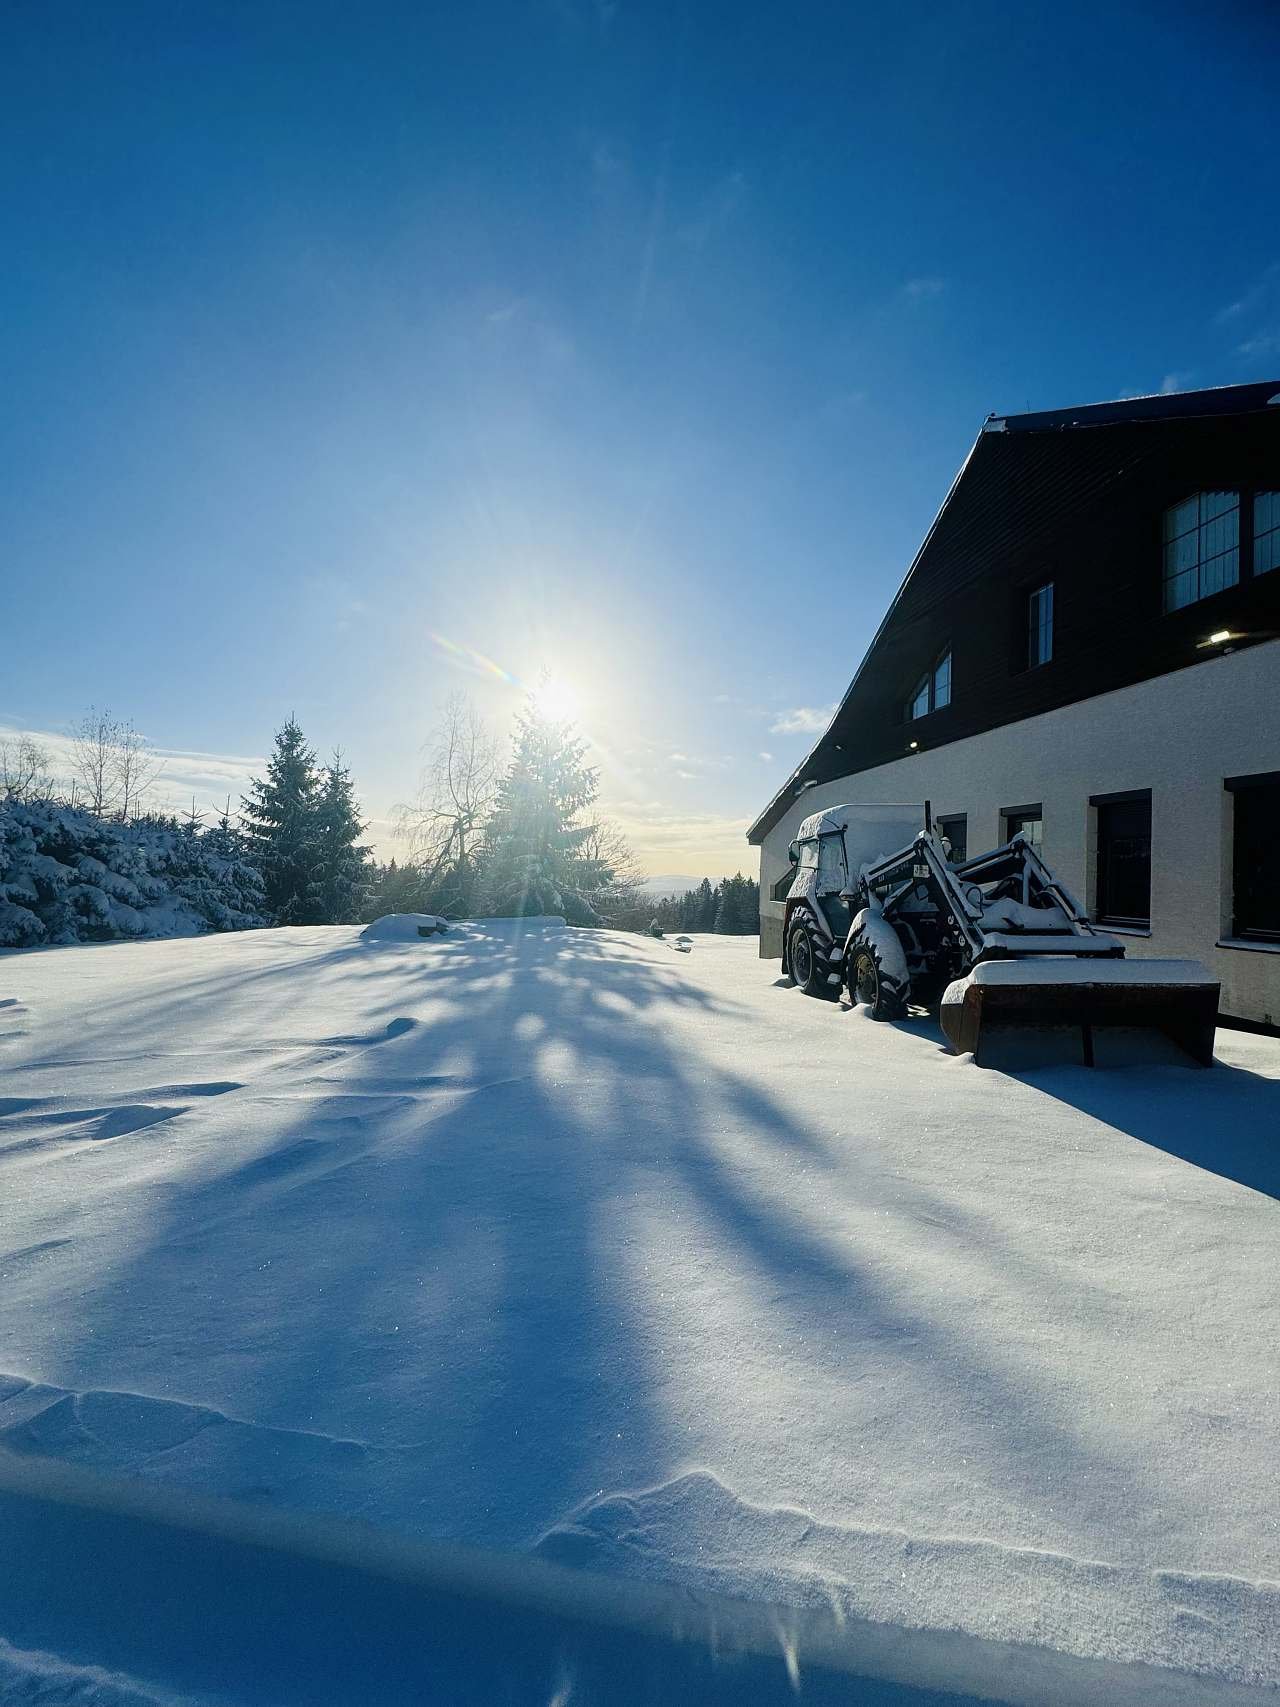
664	839
767	757
1257	296
924	289
802	720
209	777
1174	382
1257	314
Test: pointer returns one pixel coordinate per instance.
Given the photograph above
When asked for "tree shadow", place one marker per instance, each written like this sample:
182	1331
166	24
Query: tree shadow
448	1289
425	1260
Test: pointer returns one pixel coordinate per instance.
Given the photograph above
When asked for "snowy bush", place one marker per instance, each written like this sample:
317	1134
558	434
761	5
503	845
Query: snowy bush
67	876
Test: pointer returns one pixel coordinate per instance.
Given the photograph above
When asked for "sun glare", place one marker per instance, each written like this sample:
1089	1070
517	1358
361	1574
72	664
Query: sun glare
556	700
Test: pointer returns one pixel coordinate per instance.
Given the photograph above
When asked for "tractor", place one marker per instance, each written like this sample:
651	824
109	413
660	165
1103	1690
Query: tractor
877	906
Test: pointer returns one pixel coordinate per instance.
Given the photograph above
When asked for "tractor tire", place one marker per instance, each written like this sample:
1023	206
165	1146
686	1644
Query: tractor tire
807	961
869	985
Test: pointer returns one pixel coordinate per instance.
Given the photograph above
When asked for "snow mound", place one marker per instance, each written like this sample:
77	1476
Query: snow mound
403	927
1196	1620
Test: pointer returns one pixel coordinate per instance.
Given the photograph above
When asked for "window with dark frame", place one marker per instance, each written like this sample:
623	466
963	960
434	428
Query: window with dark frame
955	827
1040	626
1255	857
1124	859
1027	819
782	888
1266	532
1201	547
932	691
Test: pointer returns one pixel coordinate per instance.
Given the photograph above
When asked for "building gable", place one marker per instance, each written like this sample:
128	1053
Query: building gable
1076	500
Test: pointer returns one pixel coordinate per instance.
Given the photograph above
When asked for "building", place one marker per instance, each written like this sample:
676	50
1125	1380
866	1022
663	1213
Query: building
1087	648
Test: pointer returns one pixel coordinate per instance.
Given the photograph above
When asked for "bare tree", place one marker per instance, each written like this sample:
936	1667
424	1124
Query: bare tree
605	841
94	742
620	900
113	762
25	772
455	794
136	768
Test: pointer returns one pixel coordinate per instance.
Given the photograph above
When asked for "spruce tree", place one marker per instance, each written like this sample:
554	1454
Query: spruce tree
280	827
534	861
342	865
706	906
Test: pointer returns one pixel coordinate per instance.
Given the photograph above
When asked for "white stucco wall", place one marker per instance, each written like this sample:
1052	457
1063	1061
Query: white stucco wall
1179	735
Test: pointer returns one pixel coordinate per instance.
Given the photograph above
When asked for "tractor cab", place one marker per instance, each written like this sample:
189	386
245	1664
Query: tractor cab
822	875
830	851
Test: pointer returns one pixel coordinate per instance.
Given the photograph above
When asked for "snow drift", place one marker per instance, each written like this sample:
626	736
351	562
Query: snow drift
404	927
555	1240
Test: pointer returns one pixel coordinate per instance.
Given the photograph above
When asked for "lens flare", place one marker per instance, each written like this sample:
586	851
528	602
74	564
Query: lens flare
469	659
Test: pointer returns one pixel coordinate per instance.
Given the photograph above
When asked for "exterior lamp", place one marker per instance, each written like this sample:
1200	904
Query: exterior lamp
1219	637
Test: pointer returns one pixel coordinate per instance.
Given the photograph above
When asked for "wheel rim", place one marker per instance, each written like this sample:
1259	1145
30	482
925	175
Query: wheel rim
801	958
866	980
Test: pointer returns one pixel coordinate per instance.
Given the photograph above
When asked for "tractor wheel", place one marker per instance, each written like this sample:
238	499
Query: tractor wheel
868	984
807	962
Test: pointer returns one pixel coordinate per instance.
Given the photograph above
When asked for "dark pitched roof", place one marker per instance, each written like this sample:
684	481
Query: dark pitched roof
980	502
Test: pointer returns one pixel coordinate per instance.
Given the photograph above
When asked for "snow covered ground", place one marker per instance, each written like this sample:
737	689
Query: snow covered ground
562	1241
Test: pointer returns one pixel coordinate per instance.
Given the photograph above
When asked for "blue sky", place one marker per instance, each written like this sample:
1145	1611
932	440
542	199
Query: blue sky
637	342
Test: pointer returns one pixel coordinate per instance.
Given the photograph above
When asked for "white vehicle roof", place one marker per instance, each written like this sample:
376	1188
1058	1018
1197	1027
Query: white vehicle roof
871	832
909	817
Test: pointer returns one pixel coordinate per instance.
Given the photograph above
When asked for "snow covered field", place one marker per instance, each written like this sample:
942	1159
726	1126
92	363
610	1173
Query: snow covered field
562	1241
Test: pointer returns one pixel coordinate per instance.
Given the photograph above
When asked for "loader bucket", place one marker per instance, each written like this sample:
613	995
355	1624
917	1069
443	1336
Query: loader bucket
1075	996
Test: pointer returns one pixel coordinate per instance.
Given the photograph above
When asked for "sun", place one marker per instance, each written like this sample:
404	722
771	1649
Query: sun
556	699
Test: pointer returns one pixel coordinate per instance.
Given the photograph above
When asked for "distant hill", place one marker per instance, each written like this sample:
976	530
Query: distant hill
659	886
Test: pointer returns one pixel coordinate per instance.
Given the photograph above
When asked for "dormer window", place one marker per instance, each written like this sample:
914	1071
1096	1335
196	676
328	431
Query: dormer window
1201	547
933	690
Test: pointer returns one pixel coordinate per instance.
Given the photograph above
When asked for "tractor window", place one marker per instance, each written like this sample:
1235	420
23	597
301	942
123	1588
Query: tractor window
808	856
831	873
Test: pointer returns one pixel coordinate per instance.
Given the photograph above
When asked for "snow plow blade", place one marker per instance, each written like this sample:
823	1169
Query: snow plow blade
1075	997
